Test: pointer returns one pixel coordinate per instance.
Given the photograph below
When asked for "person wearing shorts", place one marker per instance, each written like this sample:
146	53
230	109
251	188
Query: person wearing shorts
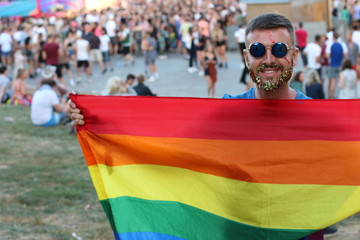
82	49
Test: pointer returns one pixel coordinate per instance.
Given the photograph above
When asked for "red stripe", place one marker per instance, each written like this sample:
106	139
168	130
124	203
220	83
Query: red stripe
231	119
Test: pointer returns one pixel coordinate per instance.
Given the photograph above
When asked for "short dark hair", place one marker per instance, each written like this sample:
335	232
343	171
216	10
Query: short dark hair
317	37
49	82
3	69
130	76
347	64
270	21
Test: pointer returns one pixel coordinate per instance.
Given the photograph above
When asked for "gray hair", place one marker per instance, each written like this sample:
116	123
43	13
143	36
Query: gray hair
270	21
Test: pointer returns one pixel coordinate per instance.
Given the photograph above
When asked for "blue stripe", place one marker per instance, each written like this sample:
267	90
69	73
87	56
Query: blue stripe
145	236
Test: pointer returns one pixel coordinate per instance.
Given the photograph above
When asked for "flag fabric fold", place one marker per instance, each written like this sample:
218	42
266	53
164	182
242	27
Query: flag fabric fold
190	168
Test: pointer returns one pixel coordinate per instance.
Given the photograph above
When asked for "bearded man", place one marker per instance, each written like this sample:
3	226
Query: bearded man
270	56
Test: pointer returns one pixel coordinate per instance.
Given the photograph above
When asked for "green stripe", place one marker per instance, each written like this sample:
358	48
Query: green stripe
128	214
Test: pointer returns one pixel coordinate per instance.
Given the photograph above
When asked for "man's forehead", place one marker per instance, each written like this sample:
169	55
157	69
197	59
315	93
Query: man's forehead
272	35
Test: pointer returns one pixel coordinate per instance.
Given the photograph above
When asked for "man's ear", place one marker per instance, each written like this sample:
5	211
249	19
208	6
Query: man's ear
295	56
246	56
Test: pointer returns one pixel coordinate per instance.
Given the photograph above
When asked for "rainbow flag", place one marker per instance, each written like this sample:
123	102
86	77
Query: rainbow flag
222	169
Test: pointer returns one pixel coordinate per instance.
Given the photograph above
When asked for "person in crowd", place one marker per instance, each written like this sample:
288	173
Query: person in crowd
301	39
51	54
64	62
210	61
141	89
69	45
219	41
348	81
6	44
192	50
29	54
130	80
313	87
94	43
297	81
111	29
20	93
47	107
336	52
125	38
353	50
148	46
5	85
105	44
117	87
313	54
240	39
82	50
20	61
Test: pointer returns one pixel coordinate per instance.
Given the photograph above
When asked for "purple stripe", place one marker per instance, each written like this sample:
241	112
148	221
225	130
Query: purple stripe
145	236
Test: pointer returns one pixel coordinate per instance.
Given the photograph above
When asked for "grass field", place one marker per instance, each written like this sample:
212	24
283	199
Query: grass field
45	189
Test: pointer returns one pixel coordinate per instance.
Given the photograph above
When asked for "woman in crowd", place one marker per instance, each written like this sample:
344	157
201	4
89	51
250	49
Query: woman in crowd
219	40
314	88
210	62
20	89
297	81
347	82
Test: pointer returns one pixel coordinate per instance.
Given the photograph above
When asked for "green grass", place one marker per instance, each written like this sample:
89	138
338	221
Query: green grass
45	188
46	191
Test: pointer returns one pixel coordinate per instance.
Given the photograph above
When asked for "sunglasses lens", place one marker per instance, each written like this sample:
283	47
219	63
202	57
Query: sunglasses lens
257	50
279	50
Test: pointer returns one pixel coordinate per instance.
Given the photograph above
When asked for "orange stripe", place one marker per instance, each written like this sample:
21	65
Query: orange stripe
280	162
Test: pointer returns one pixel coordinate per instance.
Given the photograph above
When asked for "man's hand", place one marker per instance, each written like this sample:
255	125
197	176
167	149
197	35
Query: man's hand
74	113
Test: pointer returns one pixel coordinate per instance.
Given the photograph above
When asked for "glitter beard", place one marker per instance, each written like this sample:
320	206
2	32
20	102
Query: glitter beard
269	85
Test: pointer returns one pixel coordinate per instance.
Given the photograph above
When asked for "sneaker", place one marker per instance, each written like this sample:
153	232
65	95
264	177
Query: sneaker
330	231
152	79
192	69
220	65
72	82
162	57
111	69
201	73
104	71
78	80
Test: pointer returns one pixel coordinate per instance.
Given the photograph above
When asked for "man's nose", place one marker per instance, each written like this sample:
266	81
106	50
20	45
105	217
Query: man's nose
269	57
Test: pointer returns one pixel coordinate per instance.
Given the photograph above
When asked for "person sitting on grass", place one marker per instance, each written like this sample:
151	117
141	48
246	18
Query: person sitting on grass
47	108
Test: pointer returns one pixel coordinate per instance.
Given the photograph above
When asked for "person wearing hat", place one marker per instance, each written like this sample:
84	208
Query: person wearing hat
47	107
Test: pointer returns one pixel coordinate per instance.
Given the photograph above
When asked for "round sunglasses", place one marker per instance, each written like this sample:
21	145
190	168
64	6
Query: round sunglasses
279	49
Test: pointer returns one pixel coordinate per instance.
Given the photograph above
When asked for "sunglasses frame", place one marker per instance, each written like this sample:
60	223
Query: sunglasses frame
271	48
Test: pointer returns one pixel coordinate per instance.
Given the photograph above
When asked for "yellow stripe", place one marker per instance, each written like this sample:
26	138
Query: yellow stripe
283	206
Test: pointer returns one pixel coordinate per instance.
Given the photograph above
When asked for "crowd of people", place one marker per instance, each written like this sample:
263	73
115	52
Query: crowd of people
77	44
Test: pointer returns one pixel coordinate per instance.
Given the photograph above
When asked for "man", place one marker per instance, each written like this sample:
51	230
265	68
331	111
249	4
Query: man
130	80
301	37
148	46
95	53
46	108
125	39
270	57
141	89
313	54
240	39
336	52
6	43
50	53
